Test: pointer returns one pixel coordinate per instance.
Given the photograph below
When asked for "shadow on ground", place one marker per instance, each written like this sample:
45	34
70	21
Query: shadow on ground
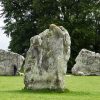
46	91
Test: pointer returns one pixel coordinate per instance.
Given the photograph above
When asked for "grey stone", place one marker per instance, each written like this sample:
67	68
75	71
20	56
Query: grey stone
87	63
46	60
9	60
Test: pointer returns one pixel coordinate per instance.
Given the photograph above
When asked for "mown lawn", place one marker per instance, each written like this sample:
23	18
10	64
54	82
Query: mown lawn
79	88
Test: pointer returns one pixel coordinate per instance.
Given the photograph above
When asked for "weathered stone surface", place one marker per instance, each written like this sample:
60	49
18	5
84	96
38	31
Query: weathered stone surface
87	63
9	60
46	60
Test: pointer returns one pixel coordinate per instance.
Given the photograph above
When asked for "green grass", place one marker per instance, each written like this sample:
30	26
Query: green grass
79	88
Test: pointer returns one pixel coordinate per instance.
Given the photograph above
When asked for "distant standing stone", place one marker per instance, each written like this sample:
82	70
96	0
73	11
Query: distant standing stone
10	62
87	63
46	59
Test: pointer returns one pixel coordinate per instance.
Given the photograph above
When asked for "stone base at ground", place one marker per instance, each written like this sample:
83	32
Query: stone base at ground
46	60
10	62
87	63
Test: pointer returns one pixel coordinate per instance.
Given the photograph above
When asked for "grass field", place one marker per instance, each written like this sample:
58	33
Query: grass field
79	88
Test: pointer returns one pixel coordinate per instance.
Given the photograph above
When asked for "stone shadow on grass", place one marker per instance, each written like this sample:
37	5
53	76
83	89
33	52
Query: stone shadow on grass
47	91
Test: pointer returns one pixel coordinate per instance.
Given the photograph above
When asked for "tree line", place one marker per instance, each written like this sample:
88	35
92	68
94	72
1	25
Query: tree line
26	18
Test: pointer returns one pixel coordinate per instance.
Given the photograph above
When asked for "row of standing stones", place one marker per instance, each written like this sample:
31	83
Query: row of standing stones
46	60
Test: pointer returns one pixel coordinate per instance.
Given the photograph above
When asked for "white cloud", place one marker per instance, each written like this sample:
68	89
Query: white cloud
4	40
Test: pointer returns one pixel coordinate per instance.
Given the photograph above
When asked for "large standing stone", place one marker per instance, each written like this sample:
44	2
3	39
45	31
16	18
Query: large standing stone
10	61
87	63
46	60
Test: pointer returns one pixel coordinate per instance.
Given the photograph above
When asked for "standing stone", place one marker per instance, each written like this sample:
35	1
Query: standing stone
87	63
46	60
9	61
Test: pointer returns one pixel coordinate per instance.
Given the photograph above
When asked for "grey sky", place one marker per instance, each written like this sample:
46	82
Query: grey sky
4	40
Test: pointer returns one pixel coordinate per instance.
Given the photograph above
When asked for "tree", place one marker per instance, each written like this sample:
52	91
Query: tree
20	23
79	20
27	18
97	26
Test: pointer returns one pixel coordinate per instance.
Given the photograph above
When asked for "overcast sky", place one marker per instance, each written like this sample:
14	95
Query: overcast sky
4	40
